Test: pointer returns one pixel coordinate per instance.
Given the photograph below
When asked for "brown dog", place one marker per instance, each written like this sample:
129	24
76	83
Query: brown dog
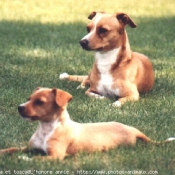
59	136
117	71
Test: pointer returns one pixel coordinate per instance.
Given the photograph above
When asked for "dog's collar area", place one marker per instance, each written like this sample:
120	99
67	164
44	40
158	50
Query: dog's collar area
49	126
45	122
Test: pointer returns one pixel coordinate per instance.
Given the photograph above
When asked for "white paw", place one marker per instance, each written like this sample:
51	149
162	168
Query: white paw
24	158
117	104
64	76
80	87
101	97
96	95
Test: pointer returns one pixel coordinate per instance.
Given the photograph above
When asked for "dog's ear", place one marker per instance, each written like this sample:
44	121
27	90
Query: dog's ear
37	88
61	97
125	19
91	15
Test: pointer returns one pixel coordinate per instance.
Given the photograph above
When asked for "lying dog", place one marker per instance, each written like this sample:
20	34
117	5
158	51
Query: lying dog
59	136
117	71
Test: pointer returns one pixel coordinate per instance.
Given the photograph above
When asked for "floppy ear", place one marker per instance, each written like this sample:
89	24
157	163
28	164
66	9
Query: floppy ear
125	19
37	88
61	97
91	15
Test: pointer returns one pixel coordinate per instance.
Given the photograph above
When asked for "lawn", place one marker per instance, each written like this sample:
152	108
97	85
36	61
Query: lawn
40	39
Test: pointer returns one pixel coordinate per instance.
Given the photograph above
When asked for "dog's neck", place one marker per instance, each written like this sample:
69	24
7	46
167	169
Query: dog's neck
47	127
64	116
125	49
109	55
45	130
104	60
120	54
60	117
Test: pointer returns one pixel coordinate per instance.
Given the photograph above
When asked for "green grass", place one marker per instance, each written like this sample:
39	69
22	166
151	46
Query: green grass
39	40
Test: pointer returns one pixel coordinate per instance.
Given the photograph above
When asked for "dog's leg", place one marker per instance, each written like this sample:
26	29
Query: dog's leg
84	79
78	78
84	83
121	101
13	149
45	158
94	95
58	151
131	94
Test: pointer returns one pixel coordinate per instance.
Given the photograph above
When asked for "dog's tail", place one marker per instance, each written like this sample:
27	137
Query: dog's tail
78	78
144	138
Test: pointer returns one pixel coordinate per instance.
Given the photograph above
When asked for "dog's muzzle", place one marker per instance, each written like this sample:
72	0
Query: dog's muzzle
21	110
84	44
24	115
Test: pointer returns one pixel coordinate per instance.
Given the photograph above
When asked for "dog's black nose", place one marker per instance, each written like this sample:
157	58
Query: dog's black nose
84	43
21	108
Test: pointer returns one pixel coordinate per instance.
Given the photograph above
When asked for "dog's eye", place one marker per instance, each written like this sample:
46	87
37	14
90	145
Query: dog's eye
39	102
88	29
102	30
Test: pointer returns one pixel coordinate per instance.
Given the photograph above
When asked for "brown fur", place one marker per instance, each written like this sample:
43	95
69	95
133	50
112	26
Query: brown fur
67	137
132	72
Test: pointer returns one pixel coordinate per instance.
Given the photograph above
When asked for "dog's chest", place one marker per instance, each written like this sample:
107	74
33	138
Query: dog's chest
42	135
104	62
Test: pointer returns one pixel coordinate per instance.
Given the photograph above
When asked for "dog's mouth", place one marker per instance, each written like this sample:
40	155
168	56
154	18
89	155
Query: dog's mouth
23	114
85	45
30	118
100	49
87	48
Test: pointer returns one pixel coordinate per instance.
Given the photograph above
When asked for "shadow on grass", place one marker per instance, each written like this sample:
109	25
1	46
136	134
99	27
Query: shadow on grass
38	35
153	37
22	70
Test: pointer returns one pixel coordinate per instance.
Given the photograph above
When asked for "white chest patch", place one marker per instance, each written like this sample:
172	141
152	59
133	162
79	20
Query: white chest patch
104	62
42	134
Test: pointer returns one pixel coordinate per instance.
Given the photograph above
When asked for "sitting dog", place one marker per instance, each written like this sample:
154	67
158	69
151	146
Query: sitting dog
58	136
117	71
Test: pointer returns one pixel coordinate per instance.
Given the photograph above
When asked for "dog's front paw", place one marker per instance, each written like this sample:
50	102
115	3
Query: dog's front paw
64	76
117	104
81	87
94	95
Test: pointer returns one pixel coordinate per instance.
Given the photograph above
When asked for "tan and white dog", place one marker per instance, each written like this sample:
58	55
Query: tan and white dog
117	71
58	136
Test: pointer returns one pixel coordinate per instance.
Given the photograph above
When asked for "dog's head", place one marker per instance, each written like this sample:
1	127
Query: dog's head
44	104
106	31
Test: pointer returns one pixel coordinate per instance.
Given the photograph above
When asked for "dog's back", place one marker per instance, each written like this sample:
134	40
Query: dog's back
145	75
102	136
